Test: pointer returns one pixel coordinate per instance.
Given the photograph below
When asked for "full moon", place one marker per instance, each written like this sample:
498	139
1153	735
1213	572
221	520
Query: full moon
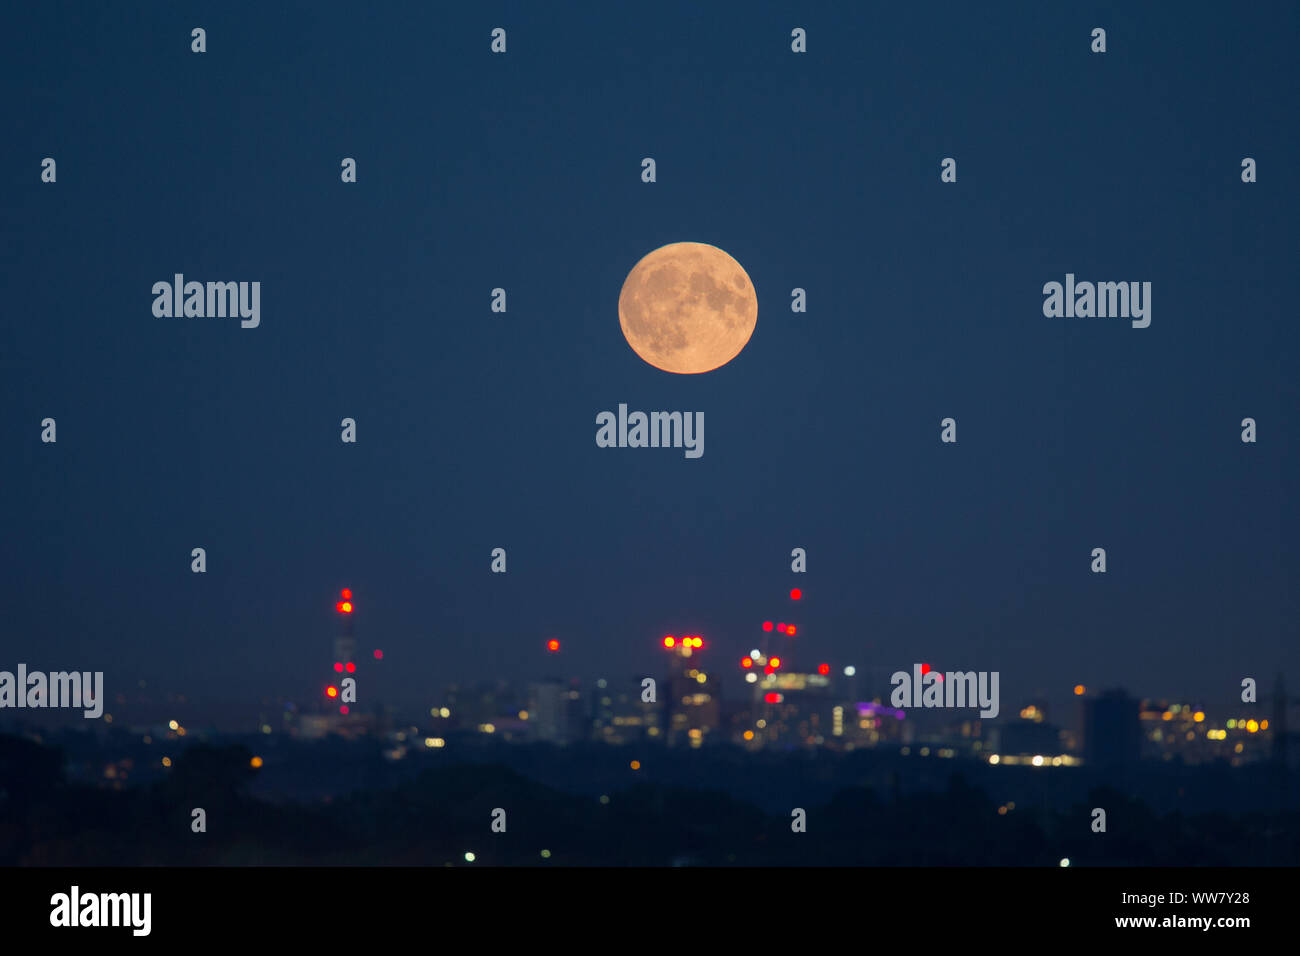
687	308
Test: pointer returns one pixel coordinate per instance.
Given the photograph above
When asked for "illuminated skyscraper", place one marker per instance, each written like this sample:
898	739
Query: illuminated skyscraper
555	712
620	716
794	709
694	696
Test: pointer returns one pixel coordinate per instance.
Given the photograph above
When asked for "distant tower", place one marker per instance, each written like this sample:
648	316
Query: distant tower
344	654
345	644
1112	732
329	713
1278	725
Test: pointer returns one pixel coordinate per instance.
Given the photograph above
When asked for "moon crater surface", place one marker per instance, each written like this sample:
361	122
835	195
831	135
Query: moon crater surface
687	308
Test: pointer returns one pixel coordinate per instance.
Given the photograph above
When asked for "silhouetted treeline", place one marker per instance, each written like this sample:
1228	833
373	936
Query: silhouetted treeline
438	815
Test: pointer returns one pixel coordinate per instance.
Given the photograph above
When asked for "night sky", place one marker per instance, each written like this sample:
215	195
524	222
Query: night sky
476	430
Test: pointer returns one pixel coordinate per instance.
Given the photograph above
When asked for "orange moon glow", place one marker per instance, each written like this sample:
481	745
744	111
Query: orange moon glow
687	308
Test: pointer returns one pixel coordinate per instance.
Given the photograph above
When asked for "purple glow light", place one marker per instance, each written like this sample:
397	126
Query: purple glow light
867	707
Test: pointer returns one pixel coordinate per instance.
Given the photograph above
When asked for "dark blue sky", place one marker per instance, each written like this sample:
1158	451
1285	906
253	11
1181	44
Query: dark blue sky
476	430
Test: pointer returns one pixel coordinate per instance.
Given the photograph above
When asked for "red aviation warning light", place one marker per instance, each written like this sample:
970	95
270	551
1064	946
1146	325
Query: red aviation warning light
344	641
789	630
552	645
767	625
823	669
795	594
746	662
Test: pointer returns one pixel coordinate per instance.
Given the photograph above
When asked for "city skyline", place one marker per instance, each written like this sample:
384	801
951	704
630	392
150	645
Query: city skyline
816	691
